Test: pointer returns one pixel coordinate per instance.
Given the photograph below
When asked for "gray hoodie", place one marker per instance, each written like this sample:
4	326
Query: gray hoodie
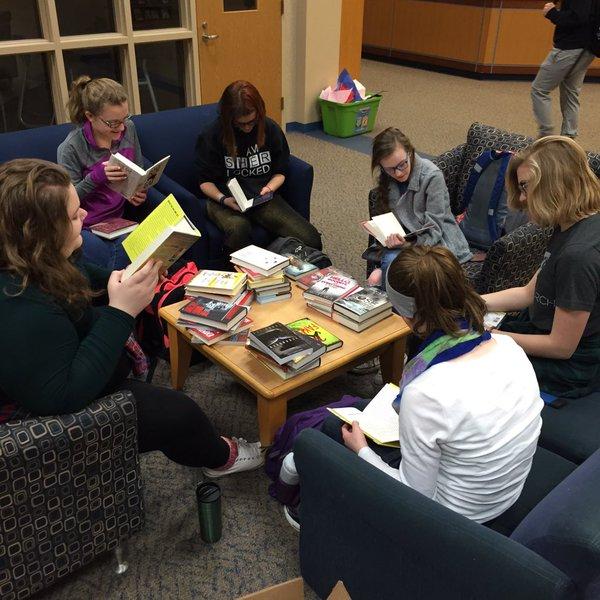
425	201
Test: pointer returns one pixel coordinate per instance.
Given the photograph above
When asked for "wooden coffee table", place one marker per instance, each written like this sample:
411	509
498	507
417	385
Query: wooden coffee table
385	340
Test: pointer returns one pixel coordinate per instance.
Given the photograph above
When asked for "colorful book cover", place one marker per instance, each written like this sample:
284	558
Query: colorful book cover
112	225
298	267
280	341
331	287
363	301
212	310
225	281
311	329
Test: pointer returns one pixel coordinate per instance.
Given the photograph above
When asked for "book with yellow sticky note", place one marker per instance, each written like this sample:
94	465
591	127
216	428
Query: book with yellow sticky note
379	420
165	234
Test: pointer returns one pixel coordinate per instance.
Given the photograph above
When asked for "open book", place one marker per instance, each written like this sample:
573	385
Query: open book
138	179
242	200
382	226
379	421
165	234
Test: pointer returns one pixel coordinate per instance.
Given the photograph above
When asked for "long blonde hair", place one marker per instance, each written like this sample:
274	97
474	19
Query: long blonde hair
434	278
562	187
34	224
91	95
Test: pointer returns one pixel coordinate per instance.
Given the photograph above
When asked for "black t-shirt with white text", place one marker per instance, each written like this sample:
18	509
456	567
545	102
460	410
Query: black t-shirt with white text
570	276
253	167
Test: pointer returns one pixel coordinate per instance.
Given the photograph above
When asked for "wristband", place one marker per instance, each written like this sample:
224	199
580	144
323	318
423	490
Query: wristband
222	199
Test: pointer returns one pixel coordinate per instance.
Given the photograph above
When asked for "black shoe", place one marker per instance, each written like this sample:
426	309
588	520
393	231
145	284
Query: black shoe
371	366
292	515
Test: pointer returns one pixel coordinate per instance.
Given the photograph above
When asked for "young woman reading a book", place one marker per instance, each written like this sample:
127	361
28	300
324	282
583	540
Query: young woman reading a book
469	404
46	303
99	109
559	326
414	190
243	143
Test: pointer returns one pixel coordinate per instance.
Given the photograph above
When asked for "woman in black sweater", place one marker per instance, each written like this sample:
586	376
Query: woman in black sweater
244	143
45	302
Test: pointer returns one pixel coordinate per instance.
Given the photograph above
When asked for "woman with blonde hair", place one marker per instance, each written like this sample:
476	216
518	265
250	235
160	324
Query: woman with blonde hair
469	404
99	109
45	303
559	326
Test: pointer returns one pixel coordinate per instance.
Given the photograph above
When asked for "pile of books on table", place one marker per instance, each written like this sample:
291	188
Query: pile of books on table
298	268
362	308
284	351
265	273
219	317
332	286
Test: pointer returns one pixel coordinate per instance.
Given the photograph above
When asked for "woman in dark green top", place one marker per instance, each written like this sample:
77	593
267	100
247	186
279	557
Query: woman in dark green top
59	352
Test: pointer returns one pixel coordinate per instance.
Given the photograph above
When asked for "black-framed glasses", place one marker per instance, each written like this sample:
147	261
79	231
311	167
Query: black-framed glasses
399	168
523	185
115	123
246	124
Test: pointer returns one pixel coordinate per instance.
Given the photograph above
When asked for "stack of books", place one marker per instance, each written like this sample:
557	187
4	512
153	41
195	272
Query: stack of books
285	351
333	286
362	308
308	327
227	286
210	321
305	281
265	273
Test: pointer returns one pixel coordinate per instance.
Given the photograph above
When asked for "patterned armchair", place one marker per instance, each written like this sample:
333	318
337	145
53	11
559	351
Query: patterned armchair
70	489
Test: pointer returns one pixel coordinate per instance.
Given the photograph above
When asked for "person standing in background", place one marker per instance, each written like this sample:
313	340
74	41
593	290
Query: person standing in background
564	67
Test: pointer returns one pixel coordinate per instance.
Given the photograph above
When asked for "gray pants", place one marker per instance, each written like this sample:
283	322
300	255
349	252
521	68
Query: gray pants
564	68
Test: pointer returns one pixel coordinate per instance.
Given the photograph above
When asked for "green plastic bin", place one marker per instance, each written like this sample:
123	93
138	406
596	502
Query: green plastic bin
352	118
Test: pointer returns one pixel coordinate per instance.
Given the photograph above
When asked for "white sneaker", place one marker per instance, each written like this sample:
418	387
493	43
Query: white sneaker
249	457
292	516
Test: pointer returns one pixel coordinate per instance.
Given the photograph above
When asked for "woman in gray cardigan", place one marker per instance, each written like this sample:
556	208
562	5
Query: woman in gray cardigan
413	188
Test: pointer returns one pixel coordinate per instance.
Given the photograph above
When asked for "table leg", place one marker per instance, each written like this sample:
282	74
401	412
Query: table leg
180	353
391	361
271	416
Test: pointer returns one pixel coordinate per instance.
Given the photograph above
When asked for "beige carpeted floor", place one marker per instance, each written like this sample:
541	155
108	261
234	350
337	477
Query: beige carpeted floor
258	548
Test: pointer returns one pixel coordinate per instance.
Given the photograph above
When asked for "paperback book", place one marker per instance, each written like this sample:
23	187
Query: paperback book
298	268
309	328
306	281
285	371
138	179
360	325
228	283
259	260
164	235
113	228
242	200
214	313
363	303
382	226
203	334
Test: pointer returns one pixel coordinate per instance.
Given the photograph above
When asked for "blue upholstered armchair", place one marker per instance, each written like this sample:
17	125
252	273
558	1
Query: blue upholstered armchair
70	490
385	540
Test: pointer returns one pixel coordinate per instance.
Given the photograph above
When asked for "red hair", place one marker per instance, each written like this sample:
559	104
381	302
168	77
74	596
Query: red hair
240	99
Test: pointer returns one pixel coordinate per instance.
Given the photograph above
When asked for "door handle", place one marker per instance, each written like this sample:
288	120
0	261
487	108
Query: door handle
207	36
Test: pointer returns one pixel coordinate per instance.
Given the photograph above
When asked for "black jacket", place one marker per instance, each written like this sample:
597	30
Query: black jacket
572	22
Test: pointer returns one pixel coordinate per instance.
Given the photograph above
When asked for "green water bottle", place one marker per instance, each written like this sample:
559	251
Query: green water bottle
208	498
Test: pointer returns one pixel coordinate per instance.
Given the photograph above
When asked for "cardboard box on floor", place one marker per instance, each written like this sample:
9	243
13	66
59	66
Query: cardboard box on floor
294	590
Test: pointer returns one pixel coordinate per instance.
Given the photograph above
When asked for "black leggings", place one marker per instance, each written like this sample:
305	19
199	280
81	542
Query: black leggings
173	423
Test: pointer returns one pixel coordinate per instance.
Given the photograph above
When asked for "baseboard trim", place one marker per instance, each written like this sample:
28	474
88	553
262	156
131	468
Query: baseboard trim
303	127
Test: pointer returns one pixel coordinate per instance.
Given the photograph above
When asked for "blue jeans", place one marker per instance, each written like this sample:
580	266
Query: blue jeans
388	256
108	254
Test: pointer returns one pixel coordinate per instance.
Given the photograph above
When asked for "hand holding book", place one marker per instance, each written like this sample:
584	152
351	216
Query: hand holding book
353	436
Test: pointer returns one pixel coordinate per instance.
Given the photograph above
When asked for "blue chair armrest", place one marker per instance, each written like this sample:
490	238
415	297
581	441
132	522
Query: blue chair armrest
383	539
298	186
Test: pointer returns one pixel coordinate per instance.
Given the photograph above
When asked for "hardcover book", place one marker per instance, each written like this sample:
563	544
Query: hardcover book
113	228
165	234
298	268
308	327
284	371
330	288
138	179
203	334
221	315
280	343
363	303
360	325
260	260
305	281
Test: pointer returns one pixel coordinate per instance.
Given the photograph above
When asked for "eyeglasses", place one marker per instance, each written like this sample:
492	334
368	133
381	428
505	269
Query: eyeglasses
246	124
115	123
522	185
400	167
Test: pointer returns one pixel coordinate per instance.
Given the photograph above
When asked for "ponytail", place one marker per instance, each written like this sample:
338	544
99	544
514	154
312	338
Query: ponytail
91	95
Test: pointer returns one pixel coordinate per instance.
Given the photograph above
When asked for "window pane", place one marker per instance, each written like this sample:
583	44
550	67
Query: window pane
239	5
77	18
25	96
19	20
95	62
155	14
161	75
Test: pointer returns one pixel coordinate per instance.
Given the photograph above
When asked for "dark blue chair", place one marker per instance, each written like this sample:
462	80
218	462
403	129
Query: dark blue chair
385	540
175	132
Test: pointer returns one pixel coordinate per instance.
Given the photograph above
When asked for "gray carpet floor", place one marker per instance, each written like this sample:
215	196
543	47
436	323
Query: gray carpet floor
258	548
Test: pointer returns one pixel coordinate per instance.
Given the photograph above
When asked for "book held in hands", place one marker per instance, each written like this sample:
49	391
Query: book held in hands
242	200
113	228
138	179
164	235
382	226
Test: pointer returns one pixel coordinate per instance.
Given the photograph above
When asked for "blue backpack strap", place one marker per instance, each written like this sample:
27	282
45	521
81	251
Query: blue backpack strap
505	157
479	167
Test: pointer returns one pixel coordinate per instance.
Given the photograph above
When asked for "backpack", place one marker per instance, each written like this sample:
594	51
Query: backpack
291	245
287	433
484	199
594	47
150	329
